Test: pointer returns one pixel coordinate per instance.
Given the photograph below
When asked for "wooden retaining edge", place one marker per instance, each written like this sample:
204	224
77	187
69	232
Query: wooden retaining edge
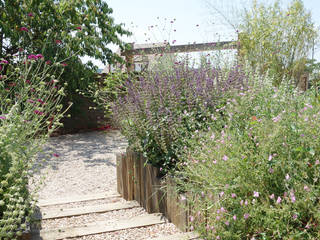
133	175
69	212
102	227
75	199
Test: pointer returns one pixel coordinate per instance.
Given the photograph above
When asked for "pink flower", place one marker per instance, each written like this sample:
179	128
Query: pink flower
32	57
227	223
30	14
55	155
233	195
24	29
30	101
221	194
48	62
79	28
270	158
271	170
294	217
306	188
225	158
246	216
58	41
39	56
2	117
255	194
40	101
293	197
276	119
4	62
287	177
317	162
64	64
38	112
234	217
278	200
191	218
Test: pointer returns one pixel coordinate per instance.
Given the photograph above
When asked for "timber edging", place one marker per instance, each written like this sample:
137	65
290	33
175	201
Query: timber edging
138	180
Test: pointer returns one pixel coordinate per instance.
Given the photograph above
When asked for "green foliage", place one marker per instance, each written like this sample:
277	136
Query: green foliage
278	40
30	111
107	89
67	28
258	176
165	107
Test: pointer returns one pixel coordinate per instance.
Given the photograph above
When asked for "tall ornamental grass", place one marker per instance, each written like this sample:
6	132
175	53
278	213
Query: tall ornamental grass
257	177
166	106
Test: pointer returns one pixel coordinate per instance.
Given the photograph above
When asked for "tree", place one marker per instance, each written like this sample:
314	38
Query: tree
66	28
278	40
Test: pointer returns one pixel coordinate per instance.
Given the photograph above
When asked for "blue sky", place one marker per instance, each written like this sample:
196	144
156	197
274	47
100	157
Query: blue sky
185	21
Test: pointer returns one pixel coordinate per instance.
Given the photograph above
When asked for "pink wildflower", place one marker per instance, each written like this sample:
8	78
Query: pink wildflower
227	223
39	56
225	158
278	200
255	194
48	62
24	29
246	216
58	41
221	194
4	62
55	155
38	112
79	27
233	195
30	14
306	188
293	197
271	196
32	57
234	217
2	117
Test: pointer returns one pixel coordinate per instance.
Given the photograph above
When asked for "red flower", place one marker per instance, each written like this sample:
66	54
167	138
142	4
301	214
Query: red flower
55	155
48	62
64	64
24	29
254	118
79	28
30	14
39	56
32	57
38	112
58	41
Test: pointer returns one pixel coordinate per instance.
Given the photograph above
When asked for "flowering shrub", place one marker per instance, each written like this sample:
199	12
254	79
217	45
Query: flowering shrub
258	177
29	113
164	108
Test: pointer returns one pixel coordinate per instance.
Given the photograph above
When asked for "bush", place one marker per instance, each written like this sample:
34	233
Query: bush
258	177
29	113
165	107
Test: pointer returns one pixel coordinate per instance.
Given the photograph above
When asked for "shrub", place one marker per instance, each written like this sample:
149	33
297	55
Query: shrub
29	113
164	108
258	177
278	39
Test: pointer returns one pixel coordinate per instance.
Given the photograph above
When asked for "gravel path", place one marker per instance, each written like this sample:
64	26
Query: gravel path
82	164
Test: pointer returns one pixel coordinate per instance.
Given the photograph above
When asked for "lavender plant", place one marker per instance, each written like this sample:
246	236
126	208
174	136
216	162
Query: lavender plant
164	108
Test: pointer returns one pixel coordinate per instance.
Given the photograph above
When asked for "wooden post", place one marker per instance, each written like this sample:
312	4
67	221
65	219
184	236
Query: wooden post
119	174
124	174
142	182
176	207
137	177
130	178
303	82
148	187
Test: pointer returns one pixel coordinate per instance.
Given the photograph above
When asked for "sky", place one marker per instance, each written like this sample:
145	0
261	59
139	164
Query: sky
185	21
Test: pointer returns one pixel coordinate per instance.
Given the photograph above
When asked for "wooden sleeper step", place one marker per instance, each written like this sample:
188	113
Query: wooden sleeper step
70	212
101	227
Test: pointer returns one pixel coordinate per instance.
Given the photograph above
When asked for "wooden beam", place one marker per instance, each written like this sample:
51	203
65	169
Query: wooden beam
102	227
181	48
77	211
